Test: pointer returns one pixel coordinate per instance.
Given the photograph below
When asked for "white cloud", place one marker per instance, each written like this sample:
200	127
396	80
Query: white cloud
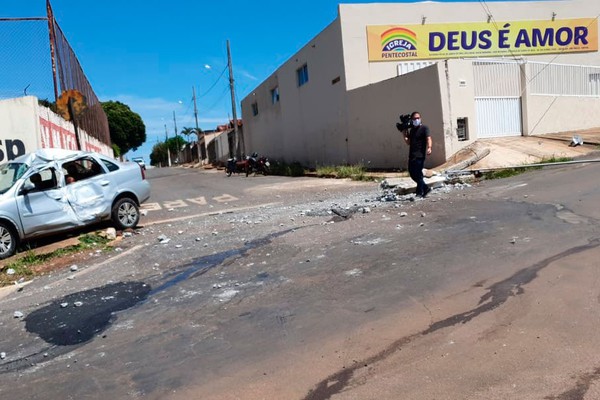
247	74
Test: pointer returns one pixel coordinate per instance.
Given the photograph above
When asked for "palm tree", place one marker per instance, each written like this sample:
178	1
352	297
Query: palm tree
187	132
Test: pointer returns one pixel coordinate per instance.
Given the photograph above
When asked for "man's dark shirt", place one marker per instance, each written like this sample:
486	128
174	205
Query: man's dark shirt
418	142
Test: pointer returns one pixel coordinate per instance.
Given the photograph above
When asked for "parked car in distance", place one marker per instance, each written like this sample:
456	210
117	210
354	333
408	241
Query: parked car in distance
55	190
140	161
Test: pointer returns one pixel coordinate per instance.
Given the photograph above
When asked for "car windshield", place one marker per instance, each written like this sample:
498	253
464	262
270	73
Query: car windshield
9	173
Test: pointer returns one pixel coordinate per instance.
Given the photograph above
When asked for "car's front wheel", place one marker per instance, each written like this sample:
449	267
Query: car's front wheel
125	213
8	241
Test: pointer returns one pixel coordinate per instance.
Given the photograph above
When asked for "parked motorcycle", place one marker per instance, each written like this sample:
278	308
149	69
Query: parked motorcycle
258	165
235	166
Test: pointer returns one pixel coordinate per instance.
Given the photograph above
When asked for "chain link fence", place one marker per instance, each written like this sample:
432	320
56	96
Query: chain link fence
26	67
37	60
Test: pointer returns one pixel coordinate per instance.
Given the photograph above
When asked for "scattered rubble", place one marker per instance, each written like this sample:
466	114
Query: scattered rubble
163	239
353	272
111	233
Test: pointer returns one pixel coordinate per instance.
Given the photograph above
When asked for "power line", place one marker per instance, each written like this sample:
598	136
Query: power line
215	83
226	89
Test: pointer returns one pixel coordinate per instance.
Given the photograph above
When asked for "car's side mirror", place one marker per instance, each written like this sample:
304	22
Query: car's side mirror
27	187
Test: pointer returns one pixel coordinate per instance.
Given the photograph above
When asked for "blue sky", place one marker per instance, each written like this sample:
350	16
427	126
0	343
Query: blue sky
149	53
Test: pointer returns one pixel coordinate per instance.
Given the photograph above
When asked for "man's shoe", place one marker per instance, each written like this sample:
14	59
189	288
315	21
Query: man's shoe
426	192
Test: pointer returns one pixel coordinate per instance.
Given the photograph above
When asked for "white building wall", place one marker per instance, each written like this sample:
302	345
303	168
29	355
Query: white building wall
551	114
18	127
308	124
457	86
374	110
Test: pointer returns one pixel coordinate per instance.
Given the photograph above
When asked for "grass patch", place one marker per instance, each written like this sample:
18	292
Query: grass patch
355	172
284	169
554	159
26	265
508	172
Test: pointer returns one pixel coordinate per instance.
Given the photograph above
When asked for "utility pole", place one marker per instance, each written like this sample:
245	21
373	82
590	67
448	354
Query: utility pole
239	140
197	128
176	137
167	144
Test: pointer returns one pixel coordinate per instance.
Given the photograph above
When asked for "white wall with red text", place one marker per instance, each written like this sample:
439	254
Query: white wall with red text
25	126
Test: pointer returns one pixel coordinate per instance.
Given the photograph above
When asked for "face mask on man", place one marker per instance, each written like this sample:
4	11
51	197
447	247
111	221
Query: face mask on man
417	121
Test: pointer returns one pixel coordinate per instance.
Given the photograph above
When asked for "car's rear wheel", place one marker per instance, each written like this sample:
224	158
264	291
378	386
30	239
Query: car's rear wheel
125	213
8	241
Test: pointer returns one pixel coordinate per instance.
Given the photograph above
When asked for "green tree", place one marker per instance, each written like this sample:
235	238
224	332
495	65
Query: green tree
175	144
127	130
159	154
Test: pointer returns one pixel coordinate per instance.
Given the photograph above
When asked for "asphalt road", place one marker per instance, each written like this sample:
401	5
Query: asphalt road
487	292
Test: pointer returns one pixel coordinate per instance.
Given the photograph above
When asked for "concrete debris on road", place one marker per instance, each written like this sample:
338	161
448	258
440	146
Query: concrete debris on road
404	186
353	272
18	314
2	356
163	239
576	141
111	233
74	268
10	271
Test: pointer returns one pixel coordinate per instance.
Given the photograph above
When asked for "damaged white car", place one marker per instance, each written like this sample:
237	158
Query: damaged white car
54	190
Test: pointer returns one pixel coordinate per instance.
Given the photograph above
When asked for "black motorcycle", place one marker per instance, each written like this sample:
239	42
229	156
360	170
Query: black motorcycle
258	165
235	166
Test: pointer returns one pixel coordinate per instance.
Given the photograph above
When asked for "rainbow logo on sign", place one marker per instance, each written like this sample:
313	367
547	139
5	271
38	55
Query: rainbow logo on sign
399	39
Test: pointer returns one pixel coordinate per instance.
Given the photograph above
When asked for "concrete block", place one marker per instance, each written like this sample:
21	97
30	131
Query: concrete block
406	185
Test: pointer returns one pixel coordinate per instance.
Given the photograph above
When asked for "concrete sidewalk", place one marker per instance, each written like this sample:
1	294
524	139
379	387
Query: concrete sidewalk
521	150
507	152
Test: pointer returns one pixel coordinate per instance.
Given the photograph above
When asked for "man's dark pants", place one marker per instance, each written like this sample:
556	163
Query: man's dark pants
415	169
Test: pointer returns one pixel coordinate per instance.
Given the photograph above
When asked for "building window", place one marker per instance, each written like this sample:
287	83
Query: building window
255	109
462	129
275	95
302	73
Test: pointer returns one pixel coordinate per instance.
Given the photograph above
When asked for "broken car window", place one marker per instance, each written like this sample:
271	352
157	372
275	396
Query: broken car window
43	180
81	169
109	165
9	173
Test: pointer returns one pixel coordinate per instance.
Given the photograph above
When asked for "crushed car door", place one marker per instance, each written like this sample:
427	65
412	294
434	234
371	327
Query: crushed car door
88	189
44	207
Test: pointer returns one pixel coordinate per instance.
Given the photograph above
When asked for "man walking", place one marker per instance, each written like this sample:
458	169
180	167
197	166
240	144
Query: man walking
419	141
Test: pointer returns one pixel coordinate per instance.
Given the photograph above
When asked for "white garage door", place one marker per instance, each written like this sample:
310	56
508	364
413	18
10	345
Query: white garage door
498	117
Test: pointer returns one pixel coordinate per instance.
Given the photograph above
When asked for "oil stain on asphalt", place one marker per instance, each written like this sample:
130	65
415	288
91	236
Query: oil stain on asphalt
79	317
76	318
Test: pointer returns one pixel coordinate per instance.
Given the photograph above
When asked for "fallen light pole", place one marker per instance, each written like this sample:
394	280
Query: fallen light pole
482	170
